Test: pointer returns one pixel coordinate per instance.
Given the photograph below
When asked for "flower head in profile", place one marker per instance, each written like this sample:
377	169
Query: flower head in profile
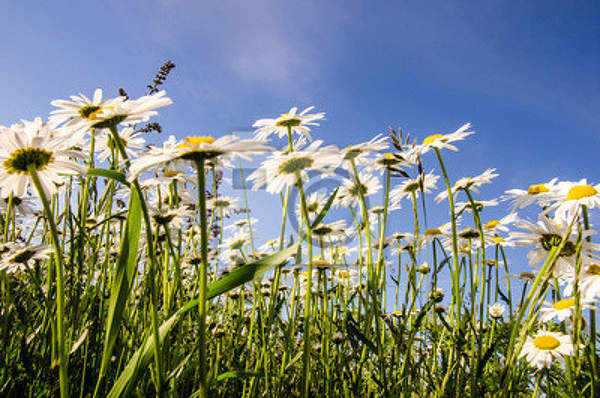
542	349
442	141
196	148
17	257
496	310
81	112
224	205
130	139
542	194
283	169
570	196
547	234
297	122
470	183
130	112
34	147
424	182
589	281
352	188
359	153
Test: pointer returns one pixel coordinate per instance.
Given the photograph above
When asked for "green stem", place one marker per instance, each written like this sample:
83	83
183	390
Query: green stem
60	289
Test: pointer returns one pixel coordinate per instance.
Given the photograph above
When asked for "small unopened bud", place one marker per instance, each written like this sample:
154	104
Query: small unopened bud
436	295
337	337
496	310
424	268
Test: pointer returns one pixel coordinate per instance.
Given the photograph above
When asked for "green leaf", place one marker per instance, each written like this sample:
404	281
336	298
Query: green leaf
325	209
142	357
123	277
112	174
232	374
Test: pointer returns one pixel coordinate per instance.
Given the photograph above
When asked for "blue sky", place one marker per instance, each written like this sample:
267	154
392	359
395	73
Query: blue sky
524	74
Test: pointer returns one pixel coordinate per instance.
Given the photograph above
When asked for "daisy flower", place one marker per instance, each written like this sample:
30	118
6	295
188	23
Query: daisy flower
470	183
315	202
233	246
298	123
17	257
35	147
225	205
561	310
24	206
81	112
332	231
175	218
479	205
571	196
351	189
542	194
442	141
425	182
130	112
284	169
387	161
546	234
242	224
589	281
196	148
545	347
496	310
359	153
129	138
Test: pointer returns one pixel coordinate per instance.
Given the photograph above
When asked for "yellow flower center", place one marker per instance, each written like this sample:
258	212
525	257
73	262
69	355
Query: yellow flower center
344	274
594	269
564	304
546	342
433	232
89	112
492	224
192	142
581	191
535	189
431	138
498	239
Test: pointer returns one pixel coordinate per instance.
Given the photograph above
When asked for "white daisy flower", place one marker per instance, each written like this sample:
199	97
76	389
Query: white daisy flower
496	310
129	138
242	224
284	169
359	153
545	347
546	234
195	148
24	205
174	218
298	122
81	112
233	246
561	310
542	194
17	257
589	281
130	112
405	189
34	146
349	193
470	183
571	196
331	231
479	205
441	141
225	205
502	224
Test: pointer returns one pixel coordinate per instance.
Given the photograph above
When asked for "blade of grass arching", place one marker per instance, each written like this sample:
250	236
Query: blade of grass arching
325	209
112	174
122	281
143	355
